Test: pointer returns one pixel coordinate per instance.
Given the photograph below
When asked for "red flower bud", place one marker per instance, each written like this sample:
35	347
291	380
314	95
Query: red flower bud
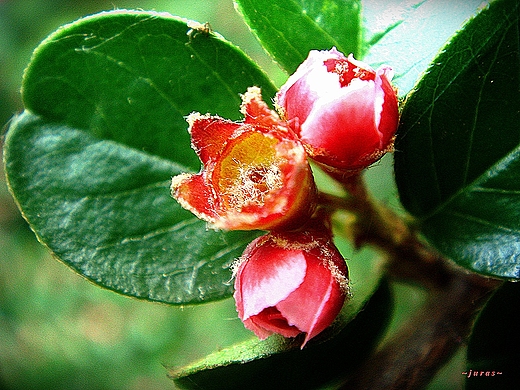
290	283
345	113
255	173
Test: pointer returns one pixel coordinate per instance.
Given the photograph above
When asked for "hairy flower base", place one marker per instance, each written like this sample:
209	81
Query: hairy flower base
255	173
290	283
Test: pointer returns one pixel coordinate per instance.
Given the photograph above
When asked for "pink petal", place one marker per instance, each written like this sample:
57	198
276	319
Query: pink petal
320	294
389	113
304	86
256	111
314	60
335	126
262	282
269	321
210	134
260	332
193	194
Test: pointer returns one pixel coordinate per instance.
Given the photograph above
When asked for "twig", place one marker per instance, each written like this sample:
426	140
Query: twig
419	348
410	259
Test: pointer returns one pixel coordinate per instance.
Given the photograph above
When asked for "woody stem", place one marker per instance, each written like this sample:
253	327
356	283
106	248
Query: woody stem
415	352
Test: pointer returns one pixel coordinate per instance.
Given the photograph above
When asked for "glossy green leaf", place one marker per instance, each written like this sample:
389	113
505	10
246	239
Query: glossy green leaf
278	363
408	35
494	347
132	77
289	29
90	160
404	35
457	157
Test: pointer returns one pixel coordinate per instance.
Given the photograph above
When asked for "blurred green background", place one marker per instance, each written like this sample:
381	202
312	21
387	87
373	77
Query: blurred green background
57	330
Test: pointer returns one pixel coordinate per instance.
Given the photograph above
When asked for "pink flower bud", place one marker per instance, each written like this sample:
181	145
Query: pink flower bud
255	173
345	113
290	283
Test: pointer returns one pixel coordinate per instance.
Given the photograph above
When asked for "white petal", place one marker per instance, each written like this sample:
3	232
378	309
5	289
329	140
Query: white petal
274	285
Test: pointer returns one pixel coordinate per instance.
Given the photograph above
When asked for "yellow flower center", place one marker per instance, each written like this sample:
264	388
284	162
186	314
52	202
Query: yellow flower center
250	171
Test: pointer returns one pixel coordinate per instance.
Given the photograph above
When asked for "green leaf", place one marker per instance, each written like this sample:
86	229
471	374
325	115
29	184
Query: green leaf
105	210
494	347
404	35
90	160
457	159
289	29
133	76
278	363
480	226
408	35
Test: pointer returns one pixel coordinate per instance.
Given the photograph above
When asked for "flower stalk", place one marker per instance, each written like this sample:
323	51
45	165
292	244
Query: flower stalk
409	257
414	353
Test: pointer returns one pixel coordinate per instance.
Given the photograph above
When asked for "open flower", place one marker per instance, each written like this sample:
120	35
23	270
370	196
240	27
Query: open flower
345	113
255	173
290	283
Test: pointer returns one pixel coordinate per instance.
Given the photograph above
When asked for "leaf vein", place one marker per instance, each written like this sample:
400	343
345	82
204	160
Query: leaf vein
316	24
126	192
215	74
461	69
470	144
115	36
139	77
496	191
479	182
481	221
150	234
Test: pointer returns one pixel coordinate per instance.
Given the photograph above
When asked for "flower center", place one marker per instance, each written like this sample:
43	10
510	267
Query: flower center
250	172
254	184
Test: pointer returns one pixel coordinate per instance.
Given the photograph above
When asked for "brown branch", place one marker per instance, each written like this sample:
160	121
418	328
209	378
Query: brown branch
412	356
410	359
410	259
